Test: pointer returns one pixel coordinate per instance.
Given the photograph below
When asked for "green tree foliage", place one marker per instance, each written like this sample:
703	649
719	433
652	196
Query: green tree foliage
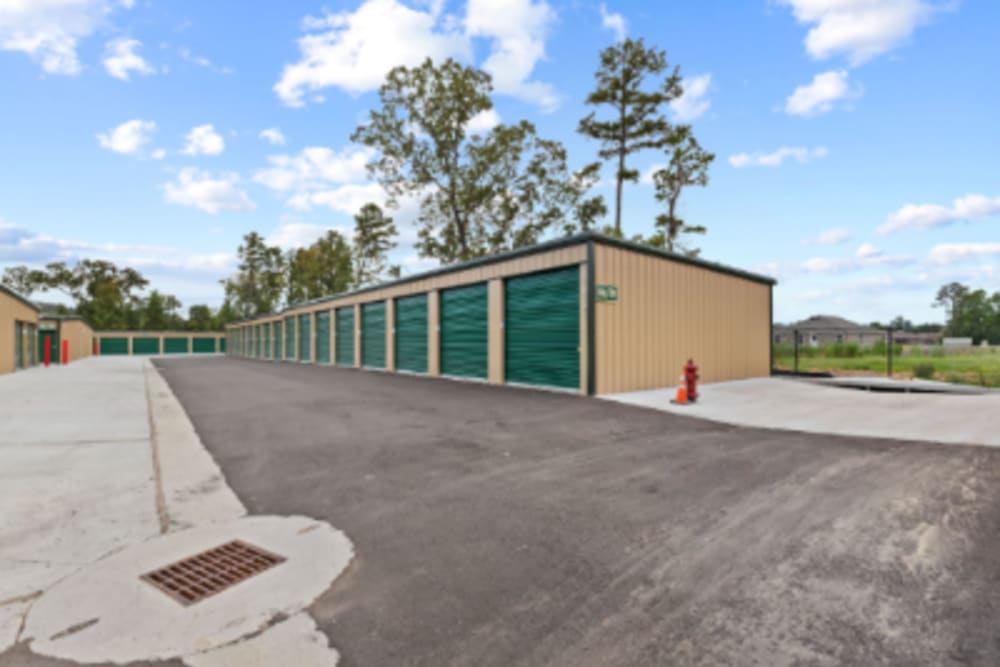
479	192
634	82
200	318
970	313
688	166
322	269
154	316
105	295
260	282
374	237
22	280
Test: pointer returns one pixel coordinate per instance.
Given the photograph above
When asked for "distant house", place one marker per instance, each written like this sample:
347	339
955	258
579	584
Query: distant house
826	330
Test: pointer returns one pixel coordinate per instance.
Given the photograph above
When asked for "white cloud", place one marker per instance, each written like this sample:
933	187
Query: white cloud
778	157
484	121
159	154
120	58
347	198
203	140
201	61
273	136
820	95
518	29
201	190
293	235
49	31
834	236
314	168
694	102
355	50
614	22
129	138
926	216
865	257
859	29
867	251
951	253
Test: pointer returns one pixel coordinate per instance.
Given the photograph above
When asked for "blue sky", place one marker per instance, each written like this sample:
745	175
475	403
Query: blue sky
856	140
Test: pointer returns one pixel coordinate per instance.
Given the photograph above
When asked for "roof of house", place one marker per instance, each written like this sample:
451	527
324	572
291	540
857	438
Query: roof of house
830	323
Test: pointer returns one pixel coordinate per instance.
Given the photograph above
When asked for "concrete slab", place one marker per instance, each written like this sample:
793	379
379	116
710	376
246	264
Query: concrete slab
811	407
293	642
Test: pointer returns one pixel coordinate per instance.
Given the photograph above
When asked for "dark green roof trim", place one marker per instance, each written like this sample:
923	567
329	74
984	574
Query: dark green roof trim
15	295
546	246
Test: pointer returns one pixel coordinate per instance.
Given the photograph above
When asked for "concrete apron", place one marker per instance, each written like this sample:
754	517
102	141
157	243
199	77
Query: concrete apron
103	612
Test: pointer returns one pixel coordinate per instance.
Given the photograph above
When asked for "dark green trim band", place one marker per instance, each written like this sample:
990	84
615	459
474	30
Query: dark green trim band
591	320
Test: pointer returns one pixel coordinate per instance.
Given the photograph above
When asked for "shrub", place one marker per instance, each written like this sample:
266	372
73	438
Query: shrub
924	371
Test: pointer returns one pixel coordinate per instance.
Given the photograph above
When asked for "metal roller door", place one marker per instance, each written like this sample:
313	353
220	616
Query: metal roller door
114	346
222	345
278	327
464	331
345	336
265	349
33	344
373	335
175	345
203	345
18	345
542	329
411	333
53	340
145	345
323	337
289	338
305	334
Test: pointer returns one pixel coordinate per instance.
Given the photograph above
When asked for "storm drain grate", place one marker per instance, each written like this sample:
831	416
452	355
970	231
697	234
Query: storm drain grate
210	572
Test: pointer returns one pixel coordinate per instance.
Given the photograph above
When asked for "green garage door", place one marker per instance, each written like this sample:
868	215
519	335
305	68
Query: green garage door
175	345
145	345
323	337
345	336
266	328
203	345
18	345
222	345
278	326
33	344
53	341
464	331
289	338
373	335
113	346
542	327
305	342
411	333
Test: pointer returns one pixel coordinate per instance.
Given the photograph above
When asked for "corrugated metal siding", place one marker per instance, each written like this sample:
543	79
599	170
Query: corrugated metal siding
146	345
12	310
465	331
305	338
175	345
411	333
289	338
373	335
667	312
323	337
345	336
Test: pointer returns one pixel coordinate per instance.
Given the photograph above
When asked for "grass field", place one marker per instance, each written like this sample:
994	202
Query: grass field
975	367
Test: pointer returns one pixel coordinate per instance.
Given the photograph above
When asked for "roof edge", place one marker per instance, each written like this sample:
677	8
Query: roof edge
22	299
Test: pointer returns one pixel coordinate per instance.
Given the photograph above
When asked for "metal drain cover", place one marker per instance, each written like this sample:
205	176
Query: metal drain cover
210	572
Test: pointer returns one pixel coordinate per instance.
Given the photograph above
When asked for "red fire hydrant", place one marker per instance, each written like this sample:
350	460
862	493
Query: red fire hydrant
691	380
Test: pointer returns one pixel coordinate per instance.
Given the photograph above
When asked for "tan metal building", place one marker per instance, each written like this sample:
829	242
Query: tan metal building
18	332
587	313
116	343
70	330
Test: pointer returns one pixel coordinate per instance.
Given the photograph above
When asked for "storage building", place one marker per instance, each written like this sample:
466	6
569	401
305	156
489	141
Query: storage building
586	313
117	343
18	332
65	332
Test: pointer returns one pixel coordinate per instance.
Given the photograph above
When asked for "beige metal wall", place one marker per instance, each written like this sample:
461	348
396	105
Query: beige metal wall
668	311
12	310
80	337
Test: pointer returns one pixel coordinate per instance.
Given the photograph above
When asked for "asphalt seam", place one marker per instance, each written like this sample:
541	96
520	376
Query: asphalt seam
161	502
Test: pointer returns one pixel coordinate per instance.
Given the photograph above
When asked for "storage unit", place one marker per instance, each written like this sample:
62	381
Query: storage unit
542	328
203	345
19	345
48	336
587	313
175	345
305	338
113	345
223	345
265	336
411	333
289	339
323	337
373	335
464	331
146	345
278	349
345	336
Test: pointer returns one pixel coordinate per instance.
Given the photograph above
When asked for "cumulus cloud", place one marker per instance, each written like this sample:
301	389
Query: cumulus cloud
294	235
865	257
203	140
273	136
120	59
820	94
314	168
484	121
694	102
614	22
129	138
211	194
49	31
927	216
833	236
858	29
778	157
951	253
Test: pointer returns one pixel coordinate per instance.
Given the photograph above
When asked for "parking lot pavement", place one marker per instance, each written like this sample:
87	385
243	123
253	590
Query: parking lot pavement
499	526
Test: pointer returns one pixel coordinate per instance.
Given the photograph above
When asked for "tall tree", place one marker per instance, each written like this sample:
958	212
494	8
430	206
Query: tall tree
950	297
260	281
374	236
105	294
479	191
688	166
322	269
200	318
22	280
153	316
633	81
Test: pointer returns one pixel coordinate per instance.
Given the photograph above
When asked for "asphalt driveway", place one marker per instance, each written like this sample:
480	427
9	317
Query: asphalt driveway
499	526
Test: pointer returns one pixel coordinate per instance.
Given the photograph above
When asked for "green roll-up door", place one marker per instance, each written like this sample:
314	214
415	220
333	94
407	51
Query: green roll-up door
32	344
464	331
411	333
223	345
18	345
175	345
203	345
53	341
266	328
542	328
305	334
278	326
114	346
289	338
323	337
345	336
145	345
373	335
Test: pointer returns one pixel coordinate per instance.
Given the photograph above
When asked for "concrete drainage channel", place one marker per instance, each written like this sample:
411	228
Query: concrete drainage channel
215	588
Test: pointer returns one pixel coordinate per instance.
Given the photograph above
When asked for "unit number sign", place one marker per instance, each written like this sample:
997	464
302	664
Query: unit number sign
607	293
